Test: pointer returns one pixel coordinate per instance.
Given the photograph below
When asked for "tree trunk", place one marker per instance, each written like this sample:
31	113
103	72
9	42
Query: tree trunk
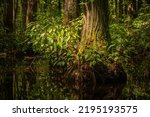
125	6
59	6
132	9
78	8
71	9
95	27
139	4
9	25
147	1
9	18
24	13
120	8
116	8
31	11
88	79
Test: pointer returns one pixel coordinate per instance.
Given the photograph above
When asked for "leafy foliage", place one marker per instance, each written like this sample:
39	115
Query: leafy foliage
130	46
65	51
50	35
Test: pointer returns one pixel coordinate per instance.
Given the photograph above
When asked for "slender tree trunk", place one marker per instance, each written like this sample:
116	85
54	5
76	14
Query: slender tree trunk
9	25
29	15
31	11
125	6
120	8
59	7
15	85
9	18
24	13
71	9
116	8
132	9
147	1
139	4
78	8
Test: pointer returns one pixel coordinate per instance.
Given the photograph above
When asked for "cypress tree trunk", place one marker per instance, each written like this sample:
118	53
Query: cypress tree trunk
95	27
88	79
95	33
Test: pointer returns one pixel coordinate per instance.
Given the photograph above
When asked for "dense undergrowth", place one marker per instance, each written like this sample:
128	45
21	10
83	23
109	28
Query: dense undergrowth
62	46
130	46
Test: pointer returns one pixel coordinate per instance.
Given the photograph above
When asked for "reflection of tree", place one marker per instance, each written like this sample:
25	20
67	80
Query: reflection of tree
8	81
97	82
28	78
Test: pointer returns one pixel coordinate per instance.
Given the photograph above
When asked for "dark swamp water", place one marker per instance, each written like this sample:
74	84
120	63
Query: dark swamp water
33	78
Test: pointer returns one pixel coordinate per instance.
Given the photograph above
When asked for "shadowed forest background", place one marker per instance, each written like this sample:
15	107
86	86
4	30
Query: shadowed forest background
75	49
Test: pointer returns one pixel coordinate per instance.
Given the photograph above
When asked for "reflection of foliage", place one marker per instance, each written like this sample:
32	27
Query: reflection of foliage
45	86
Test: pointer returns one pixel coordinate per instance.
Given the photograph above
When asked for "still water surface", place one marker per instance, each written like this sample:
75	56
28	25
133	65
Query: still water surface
32	78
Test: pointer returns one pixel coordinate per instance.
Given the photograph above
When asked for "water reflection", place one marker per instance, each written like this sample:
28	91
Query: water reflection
33	78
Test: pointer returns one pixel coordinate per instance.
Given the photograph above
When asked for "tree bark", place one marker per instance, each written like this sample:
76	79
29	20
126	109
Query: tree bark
59	6
24	13
31	11
71	9
138	4
96	17
9	26
120	8
9	18
125	6
147	1
116	8
132	9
